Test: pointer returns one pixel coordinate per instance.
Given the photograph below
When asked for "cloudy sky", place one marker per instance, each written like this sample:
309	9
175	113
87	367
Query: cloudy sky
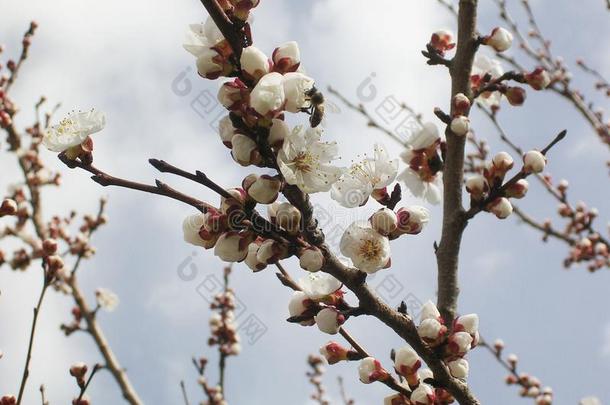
126	59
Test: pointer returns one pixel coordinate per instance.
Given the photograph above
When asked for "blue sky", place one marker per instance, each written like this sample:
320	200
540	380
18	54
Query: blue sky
125	58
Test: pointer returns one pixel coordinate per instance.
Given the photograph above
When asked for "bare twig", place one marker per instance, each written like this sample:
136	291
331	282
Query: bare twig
96	368
26	368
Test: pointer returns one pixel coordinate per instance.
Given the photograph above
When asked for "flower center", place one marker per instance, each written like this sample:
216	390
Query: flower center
304	161
370	249
65	125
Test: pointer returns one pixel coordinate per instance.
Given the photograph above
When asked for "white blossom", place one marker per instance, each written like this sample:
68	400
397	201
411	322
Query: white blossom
319	285
384	221
305	161
251	259
278	132
201	37
460	343
429	311
368	250
287	57
268	97
460	125
358	182
430	329
226	130
244	150
298	305
311	259
296	84
329	320
423	395
208	64
370	370
230	247
534	161
501	207
484	65
106	299
254	62
500	39
73	130
468	323
407	361
459	368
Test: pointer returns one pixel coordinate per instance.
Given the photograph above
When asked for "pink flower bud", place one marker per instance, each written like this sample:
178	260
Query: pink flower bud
226	131
458	368
268	97
431	330
277	133
288	217
512	360
8	400
461	104
78	370
442	41
251	259
501	207
467	323
407	362
49	247
8	207
516	95
232	246
333	352
271	251
539	79
459	343
500	39
299	305
329	320
237	200
287	57
534	162
477	186
244	150
233	94
411	220
311	259
209	64
370	370
192	227
499	345
460	125
518	190
262	189
254	63
384	221
5	119
429	311
423	395
503	162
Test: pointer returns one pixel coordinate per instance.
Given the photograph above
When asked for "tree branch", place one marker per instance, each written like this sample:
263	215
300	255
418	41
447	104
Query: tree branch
454	220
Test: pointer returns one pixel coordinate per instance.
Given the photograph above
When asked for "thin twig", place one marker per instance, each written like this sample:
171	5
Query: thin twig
26	368
84	388
184	394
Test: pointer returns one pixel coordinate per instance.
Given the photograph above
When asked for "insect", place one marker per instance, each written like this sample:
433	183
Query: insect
318	106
